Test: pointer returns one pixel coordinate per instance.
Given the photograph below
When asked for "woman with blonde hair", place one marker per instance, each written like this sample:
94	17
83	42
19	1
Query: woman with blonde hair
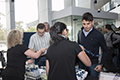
17	55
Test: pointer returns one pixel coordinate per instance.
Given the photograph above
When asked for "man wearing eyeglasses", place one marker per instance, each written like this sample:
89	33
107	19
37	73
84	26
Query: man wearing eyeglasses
40	40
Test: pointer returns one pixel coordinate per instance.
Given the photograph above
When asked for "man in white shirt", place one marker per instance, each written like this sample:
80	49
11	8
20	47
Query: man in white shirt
40	40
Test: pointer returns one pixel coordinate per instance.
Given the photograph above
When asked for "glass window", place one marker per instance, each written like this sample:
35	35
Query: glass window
3	26
74	24
106	7
83	3
77	25
67	21
115	3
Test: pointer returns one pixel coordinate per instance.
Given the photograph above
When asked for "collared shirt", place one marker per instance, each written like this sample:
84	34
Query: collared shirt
36	42
86	33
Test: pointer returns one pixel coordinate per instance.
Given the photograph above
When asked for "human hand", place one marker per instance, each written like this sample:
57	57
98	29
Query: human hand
29	61
98	68
43	50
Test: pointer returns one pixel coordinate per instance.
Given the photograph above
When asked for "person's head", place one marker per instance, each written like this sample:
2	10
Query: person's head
119	27
66	33
57	30
47	27
14	38
108	28
99	29
87	21
41	29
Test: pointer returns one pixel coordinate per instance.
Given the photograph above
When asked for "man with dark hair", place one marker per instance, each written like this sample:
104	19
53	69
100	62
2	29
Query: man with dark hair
91	39
40	40
118	29
111	39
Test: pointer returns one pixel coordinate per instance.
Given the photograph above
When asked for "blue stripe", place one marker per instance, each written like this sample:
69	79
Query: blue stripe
89	52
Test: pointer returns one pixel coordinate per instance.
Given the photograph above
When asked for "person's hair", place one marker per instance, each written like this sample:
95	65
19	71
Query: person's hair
119	27
14	38
108	26
56	30
40	26
87	16
47	24
99	29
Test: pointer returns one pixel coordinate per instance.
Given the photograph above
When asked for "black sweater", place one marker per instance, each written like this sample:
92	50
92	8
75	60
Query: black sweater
92	42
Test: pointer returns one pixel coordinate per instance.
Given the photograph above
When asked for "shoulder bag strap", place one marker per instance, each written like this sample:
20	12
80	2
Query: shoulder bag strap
80	34
111	37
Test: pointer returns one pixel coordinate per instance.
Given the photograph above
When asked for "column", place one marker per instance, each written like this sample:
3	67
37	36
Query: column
10	15
45	11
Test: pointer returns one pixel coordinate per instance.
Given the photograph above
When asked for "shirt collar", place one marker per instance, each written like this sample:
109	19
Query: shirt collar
86	33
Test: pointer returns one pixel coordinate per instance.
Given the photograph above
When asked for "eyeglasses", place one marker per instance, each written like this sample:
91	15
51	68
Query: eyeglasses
41	32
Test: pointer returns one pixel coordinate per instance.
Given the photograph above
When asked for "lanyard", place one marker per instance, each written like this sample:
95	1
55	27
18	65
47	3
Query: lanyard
89	52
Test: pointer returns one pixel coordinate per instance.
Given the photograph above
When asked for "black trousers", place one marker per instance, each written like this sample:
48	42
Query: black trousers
109	65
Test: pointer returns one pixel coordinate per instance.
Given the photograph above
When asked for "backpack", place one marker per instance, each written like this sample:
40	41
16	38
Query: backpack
117	45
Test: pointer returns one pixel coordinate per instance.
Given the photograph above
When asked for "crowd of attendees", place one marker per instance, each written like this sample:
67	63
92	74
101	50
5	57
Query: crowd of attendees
50	46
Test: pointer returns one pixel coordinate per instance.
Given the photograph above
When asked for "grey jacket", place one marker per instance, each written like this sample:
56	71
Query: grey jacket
116	39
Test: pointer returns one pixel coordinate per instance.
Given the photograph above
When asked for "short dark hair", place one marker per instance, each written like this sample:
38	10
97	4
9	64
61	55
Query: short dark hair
119	27
40	26
108	26
87	16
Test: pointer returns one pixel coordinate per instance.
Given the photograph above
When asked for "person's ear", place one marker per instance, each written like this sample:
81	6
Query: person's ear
92	22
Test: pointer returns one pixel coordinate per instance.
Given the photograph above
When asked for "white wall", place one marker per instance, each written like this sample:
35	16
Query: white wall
84	3
44	11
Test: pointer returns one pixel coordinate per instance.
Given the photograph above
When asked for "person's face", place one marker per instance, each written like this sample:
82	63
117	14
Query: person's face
41	32
46	26
87	25
105	29
100	29
65	33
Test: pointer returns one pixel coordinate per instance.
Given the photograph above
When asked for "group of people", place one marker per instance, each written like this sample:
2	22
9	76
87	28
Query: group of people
62	54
